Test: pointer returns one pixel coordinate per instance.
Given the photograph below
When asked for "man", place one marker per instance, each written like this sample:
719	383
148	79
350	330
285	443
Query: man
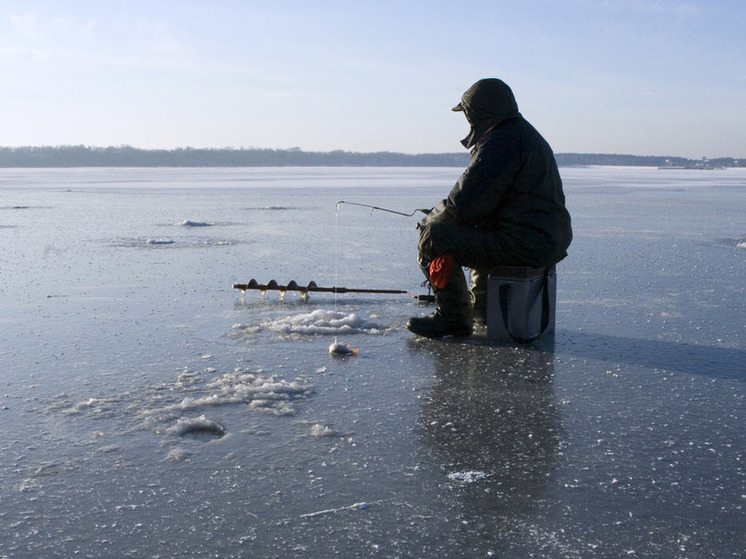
507	208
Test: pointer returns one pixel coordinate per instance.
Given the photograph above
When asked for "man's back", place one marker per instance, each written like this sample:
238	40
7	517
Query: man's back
512	188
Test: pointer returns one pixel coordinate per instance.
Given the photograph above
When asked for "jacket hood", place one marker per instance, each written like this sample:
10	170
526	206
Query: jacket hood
486	104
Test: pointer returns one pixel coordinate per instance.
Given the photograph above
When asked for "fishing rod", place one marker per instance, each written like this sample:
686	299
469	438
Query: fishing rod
383	209
312	287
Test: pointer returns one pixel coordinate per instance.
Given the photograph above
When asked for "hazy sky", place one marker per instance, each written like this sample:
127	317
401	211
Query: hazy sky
647	77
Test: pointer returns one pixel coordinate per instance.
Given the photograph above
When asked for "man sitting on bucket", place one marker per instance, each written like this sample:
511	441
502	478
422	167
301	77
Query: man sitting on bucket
506	209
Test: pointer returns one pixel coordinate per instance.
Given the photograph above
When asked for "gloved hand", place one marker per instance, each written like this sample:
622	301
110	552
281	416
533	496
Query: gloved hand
423	221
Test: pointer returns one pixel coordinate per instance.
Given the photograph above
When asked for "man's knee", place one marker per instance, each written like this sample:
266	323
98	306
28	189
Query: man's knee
435	239
425	244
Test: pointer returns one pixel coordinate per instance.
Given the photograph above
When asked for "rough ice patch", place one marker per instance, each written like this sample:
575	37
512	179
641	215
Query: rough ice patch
244	387
468	477
192	223
738	242
178	406
193	392
323	322
168	242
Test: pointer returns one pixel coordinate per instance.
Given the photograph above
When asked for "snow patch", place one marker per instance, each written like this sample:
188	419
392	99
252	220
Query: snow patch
468	477
318	322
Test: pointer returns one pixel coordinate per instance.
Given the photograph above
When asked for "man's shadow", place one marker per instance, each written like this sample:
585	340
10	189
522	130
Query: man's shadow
710	361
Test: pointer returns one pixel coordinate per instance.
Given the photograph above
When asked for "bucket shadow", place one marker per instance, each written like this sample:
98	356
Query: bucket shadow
714	362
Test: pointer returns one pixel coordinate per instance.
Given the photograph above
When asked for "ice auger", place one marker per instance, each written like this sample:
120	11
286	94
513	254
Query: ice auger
304	290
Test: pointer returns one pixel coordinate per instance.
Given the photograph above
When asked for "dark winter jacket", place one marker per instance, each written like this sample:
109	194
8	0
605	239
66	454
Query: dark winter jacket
511	186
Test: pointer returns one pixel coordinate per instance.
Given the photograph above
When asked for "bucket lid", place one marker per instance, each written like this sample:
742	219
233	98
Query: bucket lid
516	272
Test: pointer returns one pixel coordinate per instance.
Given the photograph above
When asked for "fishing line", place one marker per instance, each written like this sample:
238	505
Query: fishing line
336	254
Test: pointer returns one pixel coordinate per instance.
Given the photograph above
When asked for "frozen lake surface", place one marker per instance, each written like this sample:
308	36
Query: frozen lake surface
151	410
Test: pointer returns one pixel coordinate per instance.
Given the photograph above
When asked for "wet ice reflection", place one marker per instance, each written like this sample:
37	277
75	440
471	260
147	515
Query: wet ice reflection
491	424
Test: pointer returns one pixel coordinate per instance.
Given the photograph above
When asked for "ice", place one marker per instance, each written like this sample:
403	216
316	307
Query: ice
353	507
468	477
319	322
170	242
96	407
162	407
198	427
137	422
242	386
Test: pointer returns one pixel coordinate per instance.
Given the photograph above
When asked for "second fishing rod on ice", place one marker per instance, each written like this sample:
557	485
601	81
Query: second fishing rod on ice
312	287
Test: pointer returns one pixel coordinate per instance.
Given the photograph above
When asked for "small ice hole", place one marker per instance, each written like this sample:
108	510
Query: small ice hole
203	432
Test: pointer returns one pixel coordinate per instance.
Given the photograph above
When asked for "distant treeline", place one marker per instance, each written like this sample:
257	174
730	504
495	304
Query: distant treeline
127	156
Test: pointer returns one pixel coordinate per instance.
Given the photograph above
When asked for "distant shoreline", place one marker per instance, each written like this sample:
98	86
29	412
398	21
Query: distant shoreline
126	156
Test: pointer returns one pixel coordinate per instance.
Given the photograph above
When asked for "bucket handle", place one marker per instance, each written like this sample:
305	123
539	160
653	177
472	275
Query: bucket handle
544	309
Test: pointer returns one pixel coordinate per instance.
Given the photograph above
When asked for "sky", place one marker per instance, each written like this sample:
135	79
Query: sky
642	77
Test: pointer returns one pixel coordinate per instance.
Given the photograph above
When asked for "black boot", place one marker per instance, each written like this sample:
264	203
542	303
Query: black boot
453	316
438	325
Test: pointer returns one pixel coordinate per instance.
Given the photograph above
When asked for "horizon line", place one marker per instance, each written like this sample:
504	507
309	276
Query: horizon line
295	149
